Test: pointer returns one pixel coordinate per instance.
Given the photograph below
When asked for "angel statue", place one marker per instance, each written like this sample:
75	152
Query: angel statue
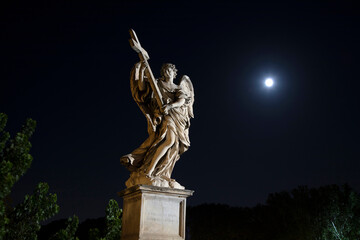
168	108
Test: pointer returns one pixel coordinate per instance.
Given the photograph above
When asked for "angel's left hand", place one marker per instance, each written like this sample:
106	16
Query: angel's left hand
166	108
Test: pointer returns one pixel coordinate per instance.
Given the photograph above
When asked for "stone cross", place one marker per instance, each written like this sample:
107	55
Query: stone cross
144	56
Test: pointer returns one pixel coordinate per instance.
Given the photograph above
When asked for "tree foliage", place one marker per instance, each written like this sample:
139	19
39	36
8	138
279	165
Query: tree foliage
326	213
23	221
26	217
329	212
93	229
113	221
69	232
343	216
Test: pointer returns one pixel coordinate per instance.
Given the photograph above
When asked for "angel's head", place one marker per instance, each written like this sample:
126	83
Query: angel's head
168	71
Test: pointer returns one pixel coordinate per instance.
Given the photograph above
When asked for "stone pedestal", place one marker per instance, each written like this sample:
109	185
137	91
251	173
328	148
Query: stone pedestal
154	213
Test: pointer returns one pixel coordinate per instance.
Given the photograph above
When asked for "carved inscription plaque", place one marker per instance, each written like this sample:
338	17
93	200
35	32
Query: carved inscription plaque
154	213
162	215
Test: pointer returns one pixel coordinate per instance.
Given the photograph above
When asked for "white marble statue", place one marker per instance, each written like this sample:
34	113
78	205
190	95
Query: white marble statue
168	108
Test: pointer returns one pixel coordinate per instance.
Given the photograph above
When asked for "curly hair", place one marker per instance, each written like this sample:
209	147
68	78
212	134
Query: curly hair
166	66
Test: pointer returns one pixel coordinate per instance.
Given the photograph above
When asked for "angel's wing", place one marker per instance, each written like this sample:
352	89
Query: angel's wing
188	88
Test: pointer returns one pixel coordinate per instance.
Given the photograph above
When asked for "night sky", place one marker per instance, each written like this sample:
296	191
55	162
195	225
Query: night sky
67	66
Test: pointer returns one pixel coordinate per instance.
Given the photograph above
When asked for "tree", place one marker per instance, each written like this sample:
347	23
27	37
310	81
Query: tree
327	213
343	215
69	232
108	228
23	221
113	223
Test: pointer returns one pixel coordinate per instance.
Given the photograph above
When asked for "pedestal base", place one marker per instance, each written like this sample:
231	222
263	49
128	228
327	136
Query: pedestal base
153	213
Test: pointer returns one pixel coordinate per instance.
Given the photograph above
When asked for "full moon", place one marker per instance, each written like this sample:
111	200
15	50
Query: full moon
269	82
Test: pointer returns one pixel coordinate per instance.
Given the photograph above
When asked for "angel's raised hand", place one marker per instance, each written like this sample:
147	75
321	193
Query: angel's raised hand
143	65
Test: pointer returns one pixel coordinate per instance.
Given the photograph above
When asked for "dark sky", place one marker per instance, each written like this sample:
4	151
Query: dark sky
67	66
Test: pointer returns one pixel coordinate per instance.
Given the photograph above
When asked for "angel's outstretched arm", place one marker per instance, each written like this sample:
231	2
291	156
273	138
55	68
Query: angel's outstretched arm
178	103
